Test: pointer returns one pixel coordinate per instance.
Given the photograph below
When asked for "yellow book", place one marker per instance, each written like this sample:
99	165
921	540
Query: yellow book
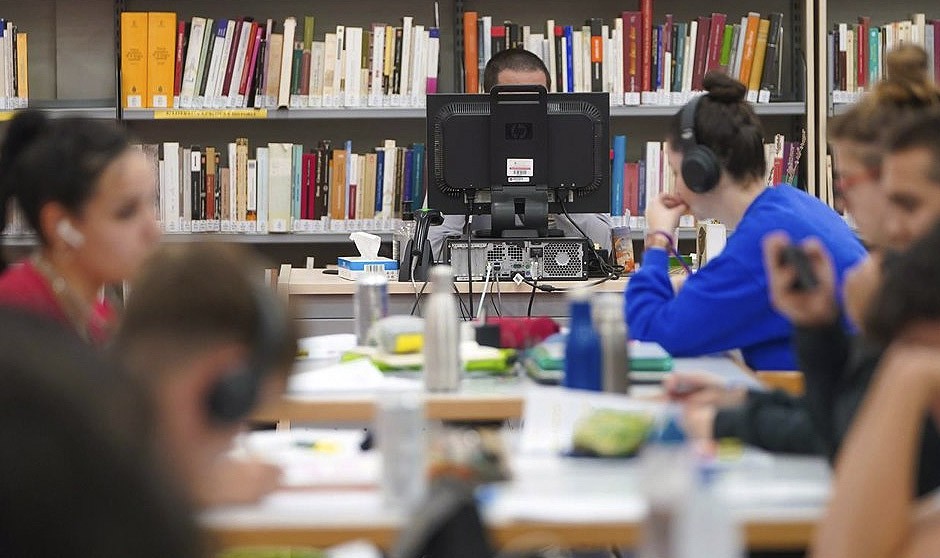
241	179
338	185
134	60
161	58
22	68
760	50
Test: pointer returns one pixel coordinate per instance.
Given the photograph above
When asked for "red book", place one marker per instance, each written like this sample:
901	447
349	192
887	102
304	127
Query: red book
305	191
251	54
646	44
715	37
232	55
180	54
631	52
861	45
701	52
667	36
309	161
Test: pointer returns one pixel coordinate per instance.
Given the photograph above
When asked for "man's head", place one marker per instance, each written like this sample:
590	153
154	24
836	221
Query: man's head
210	340
911	178
515	66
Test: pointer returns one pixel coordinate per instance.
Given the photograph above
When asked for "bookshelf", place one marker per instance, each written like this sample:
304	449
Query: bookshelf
74	70
831	103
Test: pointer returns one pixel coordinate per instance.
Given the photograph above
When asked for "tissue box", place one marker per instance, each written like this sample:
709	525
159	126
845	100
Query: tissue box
351	267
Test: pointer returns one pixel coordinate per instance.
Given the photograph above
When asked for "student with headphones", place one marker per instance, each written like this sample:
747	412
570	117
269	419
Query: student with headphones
716	149
89	196
210	343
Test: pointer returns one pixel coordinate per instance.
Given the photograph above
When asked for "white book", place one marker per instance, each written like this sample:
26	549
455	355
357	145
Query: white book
487	43
218	46
316	73
353	69
340	62
652	171
618	59
690	57
564	66
526	32
550	36
283	95
608	58
919	30
329	69
534	45
388	179
214	94
418	71
5	60
191	67
279	186
252	187
170	186
577	59
186	191
586	58
378	59
667	75
232	185
161	193
8	39
261	155
434	51
736	67
929	39
231	96
406	54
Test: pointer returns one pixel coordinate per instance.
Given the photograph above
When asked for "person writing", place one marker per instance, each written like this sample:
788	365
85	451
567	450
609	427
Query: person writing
521	67
89	196
716	149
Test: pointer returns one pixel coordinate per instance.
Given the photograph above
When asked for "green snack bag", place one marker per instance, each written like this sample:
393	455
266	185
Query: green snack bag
611	433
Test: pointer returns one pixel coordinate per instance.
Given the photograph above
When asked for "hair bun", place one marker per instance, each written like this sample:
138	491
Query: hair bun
723	88
907	81
25	127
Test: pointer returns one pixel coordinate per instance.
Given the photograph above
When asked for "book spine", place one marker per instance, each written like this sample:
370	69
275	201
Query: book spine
134	60
597	55
471	71
646	43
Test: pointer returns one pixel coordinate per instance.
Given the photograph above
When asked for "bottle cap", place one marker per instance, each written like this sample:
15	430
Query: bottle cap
670	432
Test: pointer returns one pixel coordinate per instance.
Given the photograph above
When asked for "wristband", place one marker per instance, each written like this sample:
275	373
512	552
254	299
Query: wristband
670	240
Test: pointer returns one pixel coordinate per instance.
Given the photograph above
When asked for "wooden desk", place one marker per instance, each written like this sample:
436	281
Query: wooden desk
778	502
479	399
323	303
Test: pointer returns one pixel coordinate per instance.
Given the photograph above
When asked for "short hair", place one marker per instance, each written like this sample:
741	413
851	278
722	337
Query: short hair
189	297
919	131
513	59
902	302
727	124
81	475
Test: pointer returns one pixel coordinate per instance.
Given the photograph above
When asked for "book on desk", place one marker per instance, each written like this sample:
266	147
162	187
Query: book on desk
545	363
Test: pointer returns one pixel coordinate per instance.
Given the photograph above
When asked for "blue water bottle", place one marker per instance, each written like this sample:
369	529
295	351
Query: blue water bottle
583	347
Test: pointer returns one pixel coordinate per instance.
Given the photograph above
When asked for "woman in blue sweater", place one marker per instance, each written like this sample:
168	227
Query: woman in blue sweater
716	149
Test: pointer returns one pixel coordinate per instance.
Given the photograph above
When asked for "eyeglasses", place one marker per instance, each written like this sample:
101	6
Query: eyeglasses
847	181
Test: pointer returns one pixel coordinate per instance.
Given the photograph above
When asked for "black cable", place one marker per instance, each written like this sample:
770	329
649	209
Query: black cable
464	313
534	284
612	271
468	218
418	299
554	289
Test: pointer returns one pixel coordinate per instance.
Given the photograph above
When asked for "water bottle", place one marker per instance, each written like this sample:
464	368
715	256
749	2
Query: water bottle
612	329
704	524
400	437
441	333
583	346
370	303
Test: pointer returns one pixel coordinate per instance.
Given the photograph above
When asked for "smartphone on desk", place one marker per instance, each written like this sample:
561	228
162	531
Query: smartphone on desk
795	257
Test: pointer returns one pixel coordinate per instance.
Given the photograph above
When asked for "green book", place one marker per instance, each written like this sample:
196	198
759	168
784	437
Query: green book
725	56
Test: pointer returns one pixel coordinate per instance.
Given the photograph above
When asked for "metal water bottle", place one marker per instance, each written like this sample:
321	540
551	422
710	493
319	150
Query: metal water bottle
612	329
370	303
441	333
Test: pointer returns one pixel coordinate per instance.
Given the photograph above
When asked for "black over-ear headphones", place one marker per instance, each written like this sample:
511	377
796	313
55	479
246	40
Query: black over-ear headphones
235	395
700	167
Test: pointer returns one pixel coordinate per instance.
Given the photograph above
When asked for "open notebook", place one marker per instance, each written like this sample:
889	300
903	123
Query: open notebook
545	362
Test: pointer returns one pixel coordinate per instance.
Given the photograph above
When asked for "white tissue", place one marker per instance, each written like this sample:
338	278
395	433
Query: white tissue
367	244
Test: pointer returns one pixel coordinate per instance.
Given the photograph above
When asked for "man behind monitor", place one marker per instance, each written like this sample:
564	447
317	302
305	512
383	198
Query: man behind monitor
521	67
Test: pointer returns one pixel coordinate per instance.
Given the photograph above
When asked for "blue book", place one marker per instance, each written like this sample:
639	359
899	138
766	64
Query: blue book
656	73
407	168
379	181
417	177
616	175
569	56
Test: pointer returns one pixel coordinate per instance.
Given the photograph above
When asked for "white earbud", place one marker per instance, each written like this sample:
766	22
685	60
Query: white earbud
69	234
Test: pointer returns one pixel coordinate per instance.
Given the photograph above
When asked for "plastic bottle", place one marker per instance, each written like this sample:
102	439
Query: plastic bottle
612	329
441	333
583	347
704	524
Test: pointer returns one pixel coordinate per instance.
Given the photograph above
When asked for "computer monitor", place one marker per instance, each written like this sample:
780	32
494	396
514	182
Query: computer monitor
518	151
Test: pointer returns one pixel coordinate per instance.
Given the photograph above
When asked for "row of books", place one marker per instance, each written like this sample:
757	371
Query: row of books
634	60
856	51
284	187
639	182
210	63
14	70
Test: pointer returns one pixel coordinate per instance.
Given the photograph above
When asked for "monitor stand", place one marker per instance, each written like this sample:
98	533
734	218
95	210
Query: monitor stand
530	204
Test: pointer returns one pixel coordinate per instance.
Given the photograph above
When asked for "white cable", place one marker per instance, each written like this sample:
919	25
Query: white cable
489	269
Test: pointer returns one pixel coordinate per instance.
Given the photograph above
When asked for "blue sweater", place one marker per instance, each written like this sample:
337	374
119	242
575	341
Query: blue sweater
726	305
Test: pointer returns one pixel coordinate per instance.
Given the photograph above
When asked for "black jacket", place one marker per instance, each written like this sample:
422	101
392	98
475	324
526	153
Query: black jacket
837	370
